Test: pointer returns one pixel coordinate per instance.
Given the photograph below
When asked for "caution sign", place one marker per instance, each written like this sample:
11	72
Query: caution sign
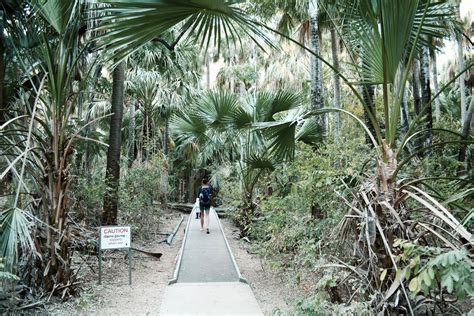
114	237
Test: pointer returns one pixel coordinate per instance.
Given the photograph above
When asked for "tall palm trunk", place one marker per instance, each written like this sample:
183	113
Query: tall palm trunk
460	58
2	69
368	93
316	67
466	129
131	145
404	117
337	84
416	87
434	74
416	96
112	175
166	132
147	132
426	95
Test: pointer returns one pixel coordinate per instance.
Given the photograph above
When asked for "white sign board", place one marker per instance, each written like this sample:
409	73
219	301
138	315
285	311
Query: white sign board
115	237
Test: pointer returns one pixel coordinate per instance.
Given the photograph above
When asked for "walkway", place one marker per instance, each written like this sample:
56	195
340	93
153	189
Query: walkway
207	279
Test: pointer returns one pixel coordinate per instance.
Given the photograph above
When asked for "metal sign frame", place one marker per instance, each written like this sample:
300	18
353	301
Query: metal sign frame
128	248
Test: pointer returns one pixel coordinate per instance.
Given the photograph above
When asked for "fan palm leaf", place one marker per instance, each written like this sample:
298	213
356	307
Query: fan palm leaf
128	25
14	231
268	104
256	161
384	32
311	132
58	13
217	109
191	128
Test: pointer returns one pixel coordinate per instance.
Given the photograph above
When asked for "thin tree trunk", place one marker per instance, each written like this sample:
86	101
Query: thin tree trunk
2	70
416	87
146	132
316	69
466	129
337	84
460	57
82	63
112	176
368	93
405	119
434	74
416	98
426	95
166	136
131	145
208	71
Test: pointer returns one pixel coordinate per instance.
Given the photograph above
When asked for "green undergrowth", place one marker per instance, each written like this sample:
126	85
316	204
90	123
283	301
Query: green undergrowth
300	205
294	227
139	193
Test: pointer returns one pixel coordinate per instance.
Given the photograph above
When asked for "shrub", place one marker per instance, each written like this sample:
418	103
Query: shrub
140	188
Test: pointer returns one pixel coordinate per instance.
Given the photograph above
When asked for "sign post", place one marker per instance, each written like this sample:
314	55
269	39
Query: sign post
115	237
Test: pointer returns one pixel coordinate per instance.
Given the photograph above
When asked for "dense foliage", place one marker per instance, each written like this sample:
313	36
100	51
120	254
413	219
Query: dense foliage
340	157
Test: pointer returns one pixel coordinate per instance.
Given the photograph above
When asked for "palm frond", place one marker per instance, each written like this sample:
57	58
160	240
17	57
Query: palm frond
439	22
217	109
243	117
129	25
401	22
281	134
268	104
189	128
14	231
255	161
58	13
312	132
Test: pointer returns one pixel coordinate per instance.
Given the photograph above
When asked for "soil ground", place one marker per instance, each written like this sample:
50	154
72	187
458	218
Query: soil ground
150	277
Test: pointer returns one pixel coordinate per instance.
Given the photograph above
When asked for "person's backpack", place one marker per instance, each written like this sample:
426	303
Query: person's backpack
205	196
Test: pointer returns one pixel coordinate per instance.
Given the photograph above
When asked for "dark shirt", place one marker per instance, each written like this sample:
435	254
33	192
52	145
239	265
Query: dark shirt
210	194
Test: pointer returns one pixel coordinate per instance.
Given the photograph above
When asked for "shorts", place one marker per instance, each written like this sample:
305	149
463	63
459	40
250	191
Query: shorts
203	207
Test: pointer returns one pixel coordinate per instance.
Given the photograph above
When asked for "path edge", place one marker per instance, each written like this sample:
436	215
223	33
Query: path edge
241	278
180	256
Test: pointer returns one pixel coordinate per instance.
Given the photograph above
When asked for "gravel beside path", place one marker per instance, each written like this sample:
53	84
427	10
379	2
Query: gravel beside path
150	278
270	288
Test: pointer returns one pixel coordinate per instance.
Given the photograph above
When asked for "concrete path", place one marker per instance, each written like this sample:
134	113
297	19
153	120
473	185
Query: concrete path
207	280
205	256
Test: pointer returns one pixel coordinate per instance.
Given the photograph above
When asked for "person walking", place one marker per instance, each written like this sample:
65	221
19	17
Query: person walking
197	209
205	197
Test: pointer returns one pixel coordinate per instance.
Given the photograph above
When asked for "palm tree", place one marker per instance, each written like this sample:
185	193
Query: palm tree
160	80
390	41
434	75
316	66
2	65
426	94
460	59
46	147
336	79
205	20
112	175
218	127
11	16
150	21
466	129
